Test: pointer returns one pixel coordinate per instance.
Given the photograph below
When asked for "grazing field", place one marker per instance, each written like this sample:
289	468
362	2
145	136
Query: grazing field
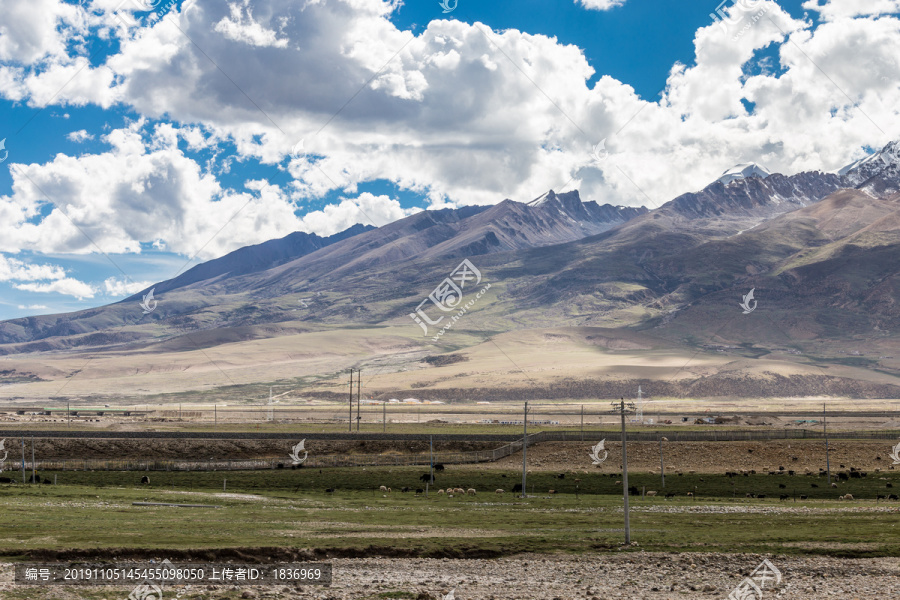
93	511
695	537
682	545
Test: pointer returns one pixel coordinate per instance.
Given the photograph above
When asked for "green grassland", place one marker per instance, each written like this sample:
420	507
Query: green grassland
292	484
286	515
93	511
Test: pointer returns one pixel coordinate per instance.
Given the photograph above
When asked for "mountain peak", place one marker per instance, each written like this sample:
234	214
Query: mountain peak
742	171
552	197
887	156
877	174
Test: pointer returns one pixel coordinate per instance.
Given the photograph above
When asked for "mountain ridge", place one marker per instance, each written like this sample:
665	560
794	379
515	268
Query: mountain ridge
563	244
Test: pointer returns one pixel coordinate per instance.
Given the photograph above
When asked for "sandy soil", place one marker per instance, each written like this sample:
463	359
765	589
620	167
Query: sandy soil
568	362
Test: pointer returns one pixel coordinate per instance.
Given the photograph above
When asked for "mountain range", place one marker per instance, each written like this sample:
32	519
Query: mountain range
818	248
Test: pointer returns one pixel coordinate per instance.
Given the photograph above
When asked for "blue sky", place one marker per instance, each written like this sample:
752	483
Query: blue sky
136	151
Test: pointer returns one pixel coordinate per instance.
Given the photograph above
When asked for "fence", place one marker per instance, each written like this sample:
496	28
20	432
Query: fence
329	460
714	435
424	459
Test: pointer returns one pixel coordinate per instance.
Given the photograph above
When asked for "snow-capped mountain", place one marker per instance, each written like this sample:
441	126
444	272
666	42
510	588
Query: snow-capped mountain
877	173
743	171
756	196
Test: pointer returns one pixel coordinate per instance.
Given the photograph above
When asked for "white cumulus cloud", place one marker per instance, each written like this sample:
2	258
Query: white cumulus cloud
79	136
67	286
367	209
12	269
600	4
841	9
121	287
456	112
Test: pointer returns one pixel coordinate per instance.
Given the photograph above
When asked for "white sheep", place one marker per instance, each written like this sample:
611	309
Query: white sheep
383	488
440	491
651	493
471	491
498	491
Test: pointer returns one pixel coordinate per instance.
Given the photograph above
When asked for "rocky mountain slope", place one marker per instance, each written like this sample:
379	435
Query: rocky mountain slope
817	240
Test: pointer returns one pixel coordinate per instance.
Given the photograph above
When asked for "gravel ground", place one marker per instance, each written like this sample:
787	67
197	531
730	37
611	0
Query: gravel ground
634	575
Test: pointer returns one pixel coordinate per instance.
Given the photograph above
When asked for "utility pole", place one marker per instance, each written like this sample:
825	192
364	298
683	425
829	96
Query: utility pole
431	444
350	420
827	460
662	468
622	408
32	460
23	460
69	413
384	418
582	422
358	397
524	448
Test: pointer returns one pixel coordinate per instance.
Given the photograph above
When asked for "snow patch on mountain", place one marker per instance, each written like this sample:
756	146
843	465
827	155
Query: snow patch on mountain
864	169
743	171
